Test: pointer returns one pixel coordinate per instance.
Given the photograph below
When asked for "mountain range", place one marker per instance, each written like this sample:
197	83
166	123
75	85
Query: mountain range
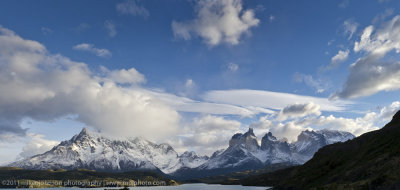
91	150
370	161
244	152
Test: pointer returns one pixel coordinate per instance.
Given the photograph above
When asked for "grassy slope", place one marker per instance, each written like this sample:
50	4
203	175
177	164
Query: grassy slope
235	177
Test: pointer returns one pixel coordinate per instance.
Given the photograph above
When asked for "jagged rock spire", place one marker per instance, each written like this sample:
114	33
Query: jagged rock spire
247	140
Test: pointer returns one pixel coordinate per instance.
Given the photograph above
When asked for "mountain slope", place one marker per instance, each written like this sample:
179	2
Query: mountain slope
371	161
309	142
90	150
191	159
240	153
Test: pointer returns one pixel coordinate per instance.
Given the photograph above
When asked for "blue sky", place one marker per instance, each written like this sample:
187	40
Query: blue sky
203	69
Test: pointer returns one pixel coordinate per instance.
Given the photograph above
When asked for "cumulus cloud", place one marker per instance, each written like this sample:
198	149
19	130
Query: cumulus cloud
217	22
90	48
37	145
208	133
45	87
130	7
357	126
123	76
340	57
188	89
288	130
350	27
298	110
270	100
112	101
110	26
372	73
388	112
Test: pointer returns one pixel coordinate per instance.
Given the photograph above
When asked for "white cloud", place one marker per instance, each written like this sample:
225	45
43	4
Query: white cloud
110	26
287	130
111	101
371	74
123	76
184	104
58	87
46	31
382	16
130	7
217	22
357	126
350	27
388	112
9	151
298	110
270	100
187	88
90	48
37	145
208	133
340	57
319	85
189	83
232	67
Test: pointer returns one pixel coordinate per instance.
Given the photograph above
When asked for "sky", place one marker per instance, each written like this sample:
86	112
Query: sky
193	73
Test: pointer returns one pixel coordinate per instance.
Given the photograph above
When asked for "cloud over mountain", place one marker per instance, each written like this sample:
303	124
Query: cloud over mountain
44	87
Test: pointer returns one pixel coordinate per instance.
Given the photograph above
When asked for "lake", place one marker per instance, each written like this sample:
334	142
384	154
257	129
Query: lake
195	186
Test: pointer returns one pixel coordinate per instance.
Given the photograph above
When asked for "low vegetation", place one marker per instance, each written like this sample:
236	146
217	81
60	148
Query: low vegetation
20	178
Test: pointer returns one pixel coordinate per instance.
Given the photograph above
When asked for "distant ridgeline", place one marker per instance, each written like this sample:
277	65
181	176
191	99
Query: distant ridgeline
20	178
370	161
93	151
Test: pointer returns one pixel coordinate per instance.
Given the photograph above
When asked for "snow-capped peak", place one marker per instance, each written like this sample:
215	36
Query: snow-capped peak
247	140
308	142
244	151
191	160
91	150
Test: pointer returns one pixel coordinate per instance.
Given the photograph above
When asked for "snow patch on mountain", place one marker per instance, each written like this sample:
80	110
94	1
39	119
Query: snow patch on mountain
91	150
244	150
